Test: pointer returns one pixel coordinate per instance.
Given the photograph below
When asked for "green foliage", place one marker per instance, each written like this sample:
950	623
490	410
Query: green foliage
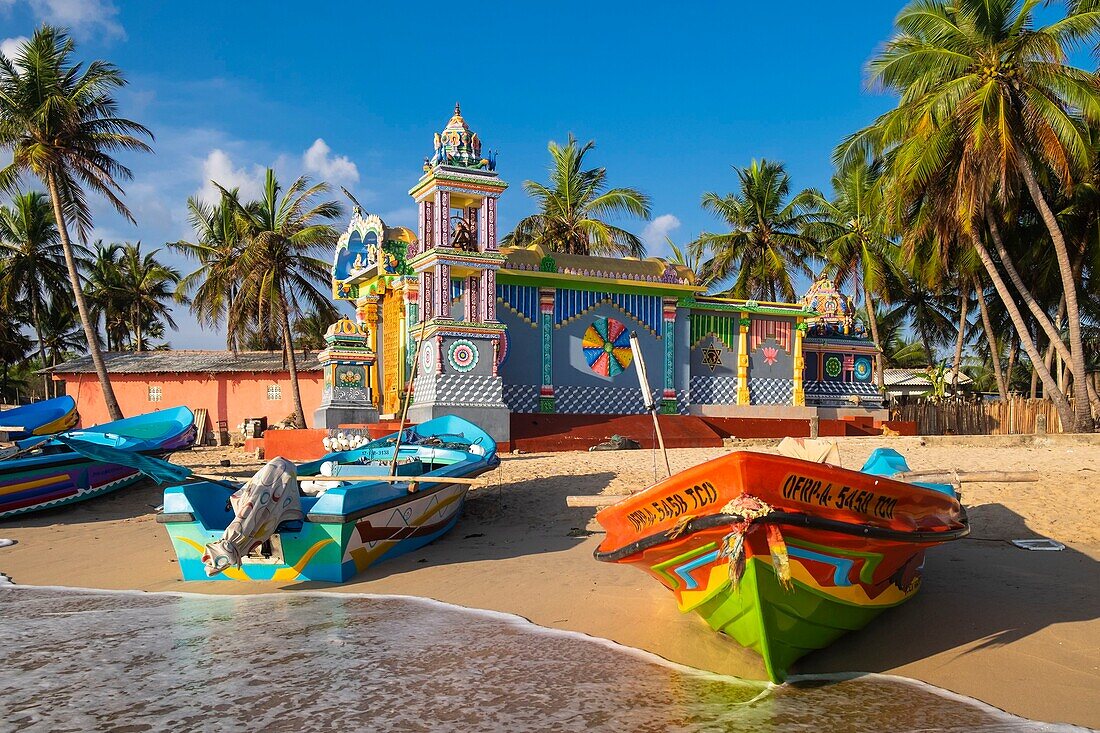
768	240
575	207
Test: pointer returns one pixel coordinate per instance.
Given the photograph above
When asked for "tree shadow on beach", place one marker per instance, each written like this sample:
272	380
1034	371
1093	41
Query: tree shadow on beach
978	592
500	521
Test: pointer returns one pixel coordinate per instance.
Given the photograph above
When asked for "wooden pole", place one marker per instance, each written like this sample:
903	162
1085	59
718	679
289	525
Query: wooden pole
400	479
647	397
408	398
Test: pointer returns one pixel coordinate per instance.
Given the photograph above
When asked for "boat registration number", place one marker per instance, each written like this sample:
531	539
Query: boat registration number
673	506
814	491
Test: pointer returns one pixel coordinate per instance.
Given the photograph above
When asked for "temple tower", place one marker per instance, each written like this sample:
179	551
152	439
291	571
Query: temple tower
456	259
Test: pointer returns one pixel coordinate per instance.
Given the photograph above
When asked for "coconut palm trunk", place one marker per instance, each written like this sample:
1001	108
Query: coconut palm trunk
1050	388
964	297
1082	418
880	375
41	348
990	339
81	306
292	363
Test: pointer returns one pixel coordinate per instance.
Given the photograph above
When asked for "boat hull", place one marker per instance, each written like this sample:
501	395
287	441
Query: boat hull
51	486
330	551
838	574
54	475
40	418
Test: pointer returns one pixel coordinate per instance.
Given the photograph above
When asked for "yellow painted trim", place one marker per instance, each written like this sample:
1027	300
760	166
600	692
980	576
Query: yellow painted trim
743	362
534	274
799	367
34	484
364	557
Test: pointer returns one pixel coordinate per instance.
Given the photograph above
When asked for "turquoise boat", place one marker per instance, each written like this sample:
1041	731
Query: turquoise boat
355	523
45	472
39	418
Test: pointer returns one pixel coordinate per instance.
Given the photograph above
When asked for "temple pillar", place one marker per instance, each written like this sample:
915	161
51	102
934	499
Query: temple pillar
669	405
799	364
546	327
743	360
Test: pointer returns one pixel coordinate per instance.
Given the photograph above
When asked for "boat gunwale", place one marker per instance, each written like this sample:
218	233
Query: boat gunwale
796	519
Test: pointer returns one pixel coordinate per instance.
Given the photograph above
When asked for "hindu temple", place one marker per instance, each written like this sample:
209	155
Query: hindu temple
520	330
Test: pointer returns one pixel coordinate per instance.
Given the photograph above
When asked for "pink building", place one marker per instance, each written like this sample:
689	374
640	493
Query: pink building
230	387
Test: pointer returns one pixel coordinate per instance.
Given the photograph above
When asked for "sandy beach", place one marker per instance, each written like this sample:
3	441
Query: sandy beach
1019	630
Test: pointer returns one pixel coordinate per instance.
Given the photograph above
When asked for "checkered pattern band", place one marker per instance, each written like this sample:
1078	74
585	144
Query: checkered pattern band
522	397
833	393
458	390
714	390
771	391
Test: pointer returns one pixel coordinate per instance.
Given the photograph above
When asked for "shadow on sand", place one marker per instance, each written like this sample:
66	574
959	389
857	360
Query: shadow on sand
514	519
977	592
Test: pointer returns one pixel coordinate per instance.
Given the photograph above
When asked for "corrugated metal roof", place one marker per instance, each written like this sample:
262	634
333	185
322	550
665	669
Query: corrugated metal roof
188	361
915	377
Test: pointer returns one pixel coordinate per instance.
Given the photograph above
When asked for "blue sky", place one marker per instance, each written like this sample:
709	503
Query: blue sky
674	94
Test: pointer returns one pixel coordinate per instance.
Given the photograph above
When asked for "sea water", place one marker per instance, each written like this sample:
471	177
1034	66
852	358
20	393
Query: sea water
78	660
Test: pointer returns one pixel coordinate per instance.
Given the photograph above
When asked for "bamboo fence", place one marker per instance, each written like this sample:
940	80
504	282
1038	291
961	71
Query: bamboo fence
1014	416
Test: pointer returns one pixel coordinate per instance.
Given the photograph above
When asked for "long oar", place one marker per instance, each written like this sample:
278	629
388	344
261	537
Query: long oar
160	471
401	479
408	399
647	396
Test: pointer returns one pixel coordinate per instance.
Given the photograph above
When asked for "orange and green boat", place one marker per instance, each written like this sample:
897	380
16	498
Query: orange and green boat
784	555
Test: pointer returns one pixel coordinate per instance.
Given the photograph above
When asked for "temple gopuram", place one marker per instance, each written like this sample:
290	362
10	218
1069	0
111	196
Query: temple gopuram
508	330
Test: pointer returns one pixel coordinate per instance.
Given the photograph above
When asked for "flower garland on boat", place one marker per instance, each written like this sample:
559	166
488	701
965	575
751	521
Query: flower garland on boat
749	509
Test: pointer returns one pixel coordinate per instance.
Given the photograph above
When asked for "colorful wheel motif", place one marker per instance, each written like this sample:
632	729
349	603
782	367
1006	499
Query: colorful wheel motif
427	356
833	366
862	369
462	355
606	346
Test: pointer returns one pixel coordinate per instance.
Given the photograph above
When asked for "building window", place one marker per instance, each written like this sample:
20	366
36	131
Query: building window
274	392
155	394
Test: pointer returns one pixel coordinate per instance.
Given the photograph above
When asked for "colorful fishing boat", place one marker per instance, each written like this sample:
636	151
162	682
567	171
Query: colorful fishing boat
39	418
44	472
784	555
355	522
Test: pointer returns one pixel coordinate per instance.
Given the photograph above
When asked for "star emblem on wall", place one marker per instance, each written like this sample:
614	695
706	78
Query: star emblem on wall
712	358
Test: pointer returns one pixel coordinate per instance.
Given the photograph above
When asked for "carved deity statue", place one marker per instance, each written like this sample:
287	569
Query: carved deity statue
463	237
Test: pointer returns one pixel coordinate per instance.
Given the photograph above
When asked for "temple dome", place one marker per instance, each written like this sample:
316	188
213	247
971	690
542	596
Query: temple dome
346	327
458	146
836	314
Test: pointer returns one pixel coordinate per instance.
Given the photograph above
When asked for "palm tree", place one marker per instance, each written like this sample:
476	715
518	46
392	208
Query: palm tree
62	334
928	314
852	230
144	288
574	207
32	265
217	248
768	239
988	102
278	273
60	121
103	277
310	328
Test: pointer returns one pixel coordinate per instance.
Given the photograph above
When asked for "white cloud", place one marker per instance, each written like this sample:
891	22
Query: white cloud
655	233
218	166
9	46
333	169
85	18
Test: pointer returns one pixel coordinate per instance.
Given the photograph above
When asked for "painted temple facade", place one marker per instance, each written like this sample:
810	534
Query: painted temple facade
520	330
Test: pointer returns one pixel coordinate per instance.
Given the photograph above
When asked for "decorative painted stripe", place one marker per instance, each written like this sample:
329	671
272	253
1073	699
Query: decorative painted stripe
22	486
841	566
684	571
763	329
523	300
648	310
725	328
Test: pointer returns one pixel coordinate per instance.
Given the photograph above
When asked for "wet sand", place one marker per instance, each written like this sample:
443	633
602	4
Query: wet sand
1019	630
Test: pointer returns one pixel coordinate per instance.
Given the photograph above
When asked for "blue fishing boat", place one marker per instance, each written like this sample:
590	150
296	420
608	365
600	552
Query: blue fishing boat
371	508
39	418
44	472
